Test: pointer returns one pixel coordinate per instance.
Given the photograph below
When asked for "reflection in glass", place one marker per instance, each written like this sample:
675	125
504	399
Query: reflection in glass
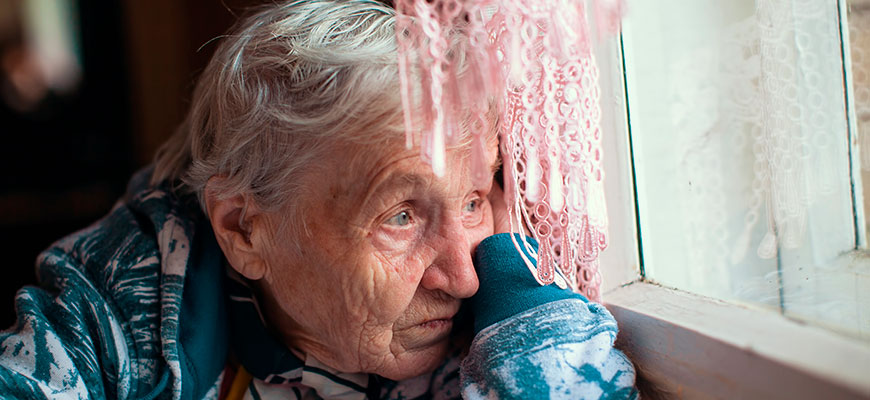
738	128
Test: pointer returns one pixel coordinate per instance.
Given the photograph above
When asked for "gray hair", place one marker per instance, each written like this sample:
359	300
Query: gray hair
287	83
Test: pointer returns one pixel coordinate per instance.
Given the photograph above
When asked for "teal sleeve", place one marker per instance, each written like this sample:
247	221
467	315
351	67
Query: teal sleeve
91	330
507	287
108	319
537	342
68	342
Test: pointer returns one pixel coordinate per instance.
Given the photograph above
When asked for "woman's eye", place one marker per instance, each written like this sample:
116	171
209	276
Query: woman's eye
401	219
472	206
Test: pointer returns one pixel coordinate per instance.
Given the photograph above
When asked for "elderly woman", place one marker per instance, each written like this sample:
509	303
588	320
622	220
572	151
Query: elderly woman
286	244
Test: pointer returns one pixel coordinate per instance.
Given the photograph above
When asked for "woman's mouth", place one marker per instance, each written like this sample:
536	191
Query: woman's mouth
430	332
438	324
434	331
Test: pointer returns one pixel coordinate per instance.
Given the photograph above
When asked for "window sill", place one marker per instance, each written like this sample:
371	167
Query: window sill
690	346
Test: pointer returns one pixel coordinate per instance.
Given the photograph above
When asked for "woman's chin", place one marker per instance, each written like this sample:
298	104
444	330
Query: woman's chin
417	361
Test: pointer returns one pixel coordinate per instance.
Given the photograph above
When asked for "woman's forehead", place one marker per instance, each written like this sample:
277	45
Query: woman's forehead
380	170
363	172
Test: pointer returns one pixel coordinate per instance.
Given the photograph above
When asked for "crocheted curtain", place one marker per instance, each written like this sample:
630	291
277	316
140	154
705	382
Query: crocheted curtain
535	59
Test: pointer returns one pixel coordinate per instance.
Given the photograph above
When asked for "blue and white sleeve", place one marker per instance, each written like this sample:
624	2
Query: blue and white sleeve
535	341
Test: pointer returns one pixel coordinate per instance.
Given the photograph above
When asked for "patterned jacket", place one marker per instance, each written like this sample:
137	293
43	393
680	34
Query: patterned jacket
140	306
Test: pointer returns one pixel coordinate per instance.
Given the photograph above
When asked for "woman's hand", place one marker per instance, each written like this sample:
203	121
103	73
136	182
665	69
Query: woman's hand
501	222
500	215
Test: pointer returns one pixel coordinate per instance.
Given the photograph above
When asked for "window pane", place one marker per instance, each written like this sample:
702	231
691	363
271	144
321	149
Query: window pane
739	133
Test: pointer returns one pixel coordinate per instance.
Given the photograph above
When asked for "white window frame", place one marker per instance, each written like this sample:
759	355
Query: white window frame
690	346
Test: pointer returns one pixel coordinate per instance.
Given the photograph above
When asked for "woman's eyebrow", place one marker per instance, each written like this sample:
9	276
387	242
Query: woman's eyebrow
397	182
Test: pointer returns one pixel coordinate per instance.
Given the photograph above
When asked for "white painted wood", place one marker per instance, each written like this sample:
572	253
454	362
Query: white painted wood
619	263
691	346
854	149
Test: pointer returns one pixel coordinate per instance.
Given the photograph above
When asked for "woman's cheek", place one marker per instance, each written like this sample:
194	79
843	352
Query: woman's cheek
399	248
393	240
396	275
401	266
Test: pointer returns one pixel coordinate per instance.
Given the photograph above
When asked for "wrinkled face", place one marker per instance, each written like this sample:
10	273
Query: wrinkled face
387	260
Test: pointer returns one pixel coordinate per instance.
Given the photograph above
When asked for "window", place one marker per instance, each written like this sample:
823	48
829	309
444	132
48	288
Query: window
739	148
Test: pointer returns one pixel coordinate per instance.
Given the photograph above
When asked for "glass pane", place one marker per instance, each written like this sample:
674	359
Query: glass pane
739	133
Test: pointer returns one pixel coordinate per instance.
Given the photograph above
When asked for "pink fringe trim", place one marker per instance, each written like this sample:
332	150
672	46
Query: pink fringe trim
536	59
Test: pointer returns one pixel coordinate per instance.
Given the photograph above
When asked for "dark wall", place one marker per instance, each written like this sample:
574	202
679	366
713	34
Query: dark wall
65	161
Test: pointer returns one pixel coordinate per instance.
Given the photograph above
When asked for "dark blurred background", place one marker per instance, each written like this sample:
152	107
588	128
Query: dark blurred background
88	91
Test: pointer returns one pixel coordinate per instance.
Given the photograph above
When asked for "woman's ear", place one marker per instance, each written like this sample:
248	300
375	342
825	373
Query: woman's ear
232	220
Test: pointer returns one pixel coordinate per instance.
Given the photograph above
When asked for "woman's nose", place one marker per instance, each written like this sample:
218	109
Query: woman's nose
452	270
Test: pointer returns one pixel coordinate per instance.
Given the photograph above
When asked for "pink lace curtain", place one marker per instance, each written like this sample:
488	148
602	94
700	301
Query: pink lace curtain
535	59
